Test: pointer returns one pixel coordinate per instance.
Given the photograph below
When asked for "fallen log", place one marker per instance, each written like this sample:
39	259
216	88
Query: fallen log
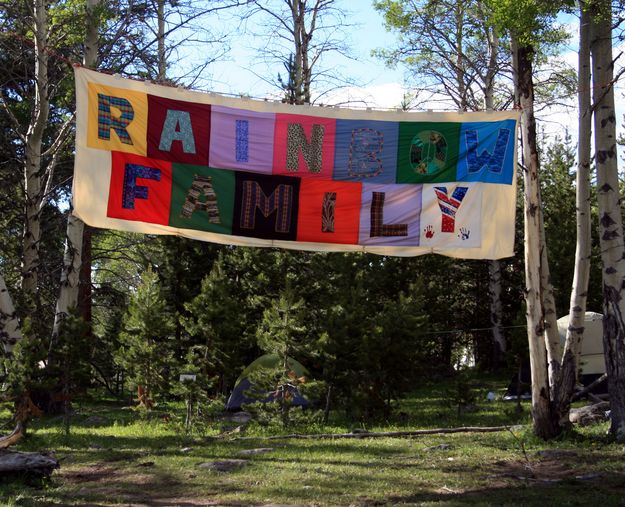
589	414
12	462
582	392
383	434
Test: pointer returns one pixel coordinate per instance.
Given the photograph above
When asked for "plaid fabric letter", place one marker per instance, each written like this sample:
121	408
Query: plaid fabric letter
106	120
378	227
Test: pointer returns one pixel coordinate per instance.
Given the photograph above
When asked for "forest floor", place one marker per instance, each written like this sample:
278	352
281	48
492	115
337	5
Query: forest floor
114	456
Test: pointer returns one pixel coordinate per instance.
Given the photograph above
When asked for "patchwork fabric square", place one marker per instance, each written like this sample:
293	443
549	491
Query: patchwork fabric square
242	139
366	151
487	152
329	212
451	215
390	215
178	130
265	206
140	189
428	152
118	119
304	146
202	198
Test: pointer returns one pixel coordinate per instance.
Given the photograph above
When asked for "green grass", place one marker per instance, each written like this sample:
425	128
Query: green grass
135	461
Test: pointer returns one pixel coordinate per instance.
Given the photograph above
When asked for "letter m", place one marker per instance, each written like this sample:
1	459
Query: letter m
279	202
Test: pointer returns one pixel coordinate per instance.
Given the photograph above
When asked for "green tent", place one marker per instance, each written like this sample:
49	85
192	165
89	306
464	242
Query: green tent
268	361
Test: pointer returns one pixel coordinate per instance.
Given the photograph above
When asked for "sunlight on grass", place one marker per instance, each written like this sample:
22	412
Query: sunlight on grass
122	457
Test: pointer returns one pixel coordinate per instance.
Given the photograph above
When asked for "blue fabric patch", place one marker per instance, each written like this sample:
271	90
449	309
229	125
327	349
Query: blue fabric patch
242	128
133	191
487	152
177	127
366	151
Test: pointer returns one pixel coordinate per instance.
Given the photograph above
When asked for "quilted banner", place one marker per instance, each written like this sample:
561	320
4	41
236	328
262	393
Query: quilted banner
164	160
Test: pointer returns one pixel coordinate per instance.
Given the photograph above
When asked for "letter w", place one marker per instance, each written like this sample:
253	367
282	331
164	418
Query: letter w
493	162
279	201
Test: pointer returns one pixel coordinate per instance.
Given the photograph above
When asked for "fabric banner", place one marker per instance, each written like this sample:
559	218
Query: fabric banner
164	160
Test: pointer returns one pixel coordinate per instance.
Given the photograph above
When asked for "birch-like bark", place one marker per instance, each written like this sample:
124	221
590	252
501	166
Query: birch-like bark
541	407
10	332
33	152
72	257
577	308
610	221
552	335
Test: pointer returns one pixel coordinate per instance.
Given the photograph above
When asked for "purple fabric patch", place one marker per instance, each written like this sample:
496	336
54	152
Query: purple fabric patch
402	205
241	139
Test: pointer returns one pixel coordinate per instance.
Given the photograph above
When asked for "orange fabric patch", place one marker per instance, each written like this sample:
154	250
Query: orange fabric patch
315	218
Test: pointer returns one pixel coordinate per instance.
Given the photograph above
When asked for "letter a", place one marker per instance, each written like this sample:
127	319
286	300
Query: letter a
177	127
201	186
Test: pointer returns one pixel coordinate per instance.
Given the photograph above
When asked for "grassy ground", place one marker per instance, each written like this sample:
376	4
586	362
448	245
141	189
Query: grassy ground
123	459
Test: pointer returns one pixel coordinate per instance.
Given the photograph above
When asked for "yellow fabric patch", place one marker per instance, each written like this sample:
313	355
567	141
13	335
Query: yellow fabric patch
118	119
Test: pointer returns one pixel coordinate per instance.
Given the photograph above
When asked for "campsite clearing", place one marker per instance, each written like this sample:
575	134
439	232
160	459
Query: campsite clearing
127	460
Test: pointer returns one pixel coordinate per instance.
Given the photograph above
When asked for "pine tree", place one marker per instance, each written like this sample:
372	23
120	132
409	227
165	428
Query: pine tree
281	332
145	351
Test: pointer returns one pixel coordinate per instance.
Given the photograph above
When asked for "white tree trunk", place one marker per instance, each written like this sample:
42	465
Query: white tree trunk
33	151
10	332
610	221
72	258
541	406
577	307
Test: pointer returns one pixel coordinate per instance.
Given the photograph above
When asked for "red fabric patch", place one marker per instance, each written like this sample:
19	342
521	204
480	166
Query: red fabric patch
300	142
346	213
161	125
140	189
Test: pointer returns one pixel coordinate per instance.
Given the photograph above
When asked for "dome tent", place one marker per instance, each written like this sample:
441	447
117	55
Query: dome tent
243	384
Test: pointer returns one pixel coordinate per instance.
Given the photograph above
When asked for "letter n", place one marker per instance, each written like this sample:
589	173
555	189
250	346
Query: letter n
311	151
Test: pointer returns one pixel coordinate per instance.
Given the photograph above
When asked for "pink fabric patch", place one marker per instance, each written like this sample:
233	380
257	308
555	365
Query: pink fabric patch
304	146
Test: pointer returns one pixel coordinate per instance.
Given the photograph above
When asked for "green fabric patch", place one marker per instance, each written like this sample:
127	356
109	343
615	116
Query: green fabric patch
202	198
427	152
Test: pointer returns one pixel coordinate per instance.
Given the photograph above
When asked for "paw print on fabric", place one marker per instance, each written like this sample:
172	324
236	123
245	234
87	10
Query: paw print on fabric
464	234
429	232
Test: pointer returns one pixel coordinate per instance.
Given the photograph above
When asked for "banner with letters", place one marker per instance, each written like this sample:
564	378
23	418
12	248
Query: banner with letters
164	160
